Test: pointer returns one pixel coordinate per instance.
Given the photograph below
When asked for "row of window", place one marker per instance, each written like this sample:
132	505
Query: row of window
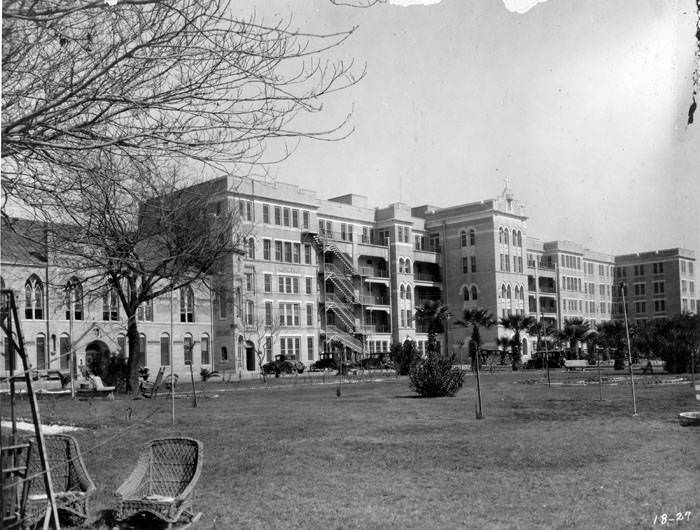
505	263
516	241
603	270
687	286
44	360
73	301
570	262
285	252
507	294
468	264
284	216
467	237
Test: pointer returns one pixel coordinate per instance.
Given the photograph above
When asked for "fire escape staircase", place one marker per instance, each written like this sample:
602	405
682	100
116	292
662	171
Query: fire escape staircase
343	310
335	333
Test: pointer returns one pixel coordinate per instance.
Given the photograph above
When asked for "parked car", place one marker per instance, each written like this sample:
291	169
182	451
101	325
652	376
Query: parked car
326	362
283	365
377	361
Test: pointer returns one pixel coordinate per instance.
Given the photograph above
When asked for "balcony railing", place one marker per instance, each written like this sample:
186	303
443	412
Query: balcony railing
368	299
375	328
374	273
426	277
547	290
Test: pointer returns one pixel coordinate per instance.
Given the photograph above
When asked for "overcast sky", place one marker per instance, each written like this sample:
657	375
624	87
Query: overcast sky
582	104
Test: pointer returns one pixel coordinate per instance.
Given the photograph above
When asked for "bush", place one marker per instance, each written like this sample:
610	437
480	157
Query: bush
403	356
434	376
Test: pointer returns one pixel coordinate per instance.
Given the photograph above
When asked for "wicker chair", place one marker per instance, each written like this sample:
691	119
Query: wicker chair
72	485
163	481
149	389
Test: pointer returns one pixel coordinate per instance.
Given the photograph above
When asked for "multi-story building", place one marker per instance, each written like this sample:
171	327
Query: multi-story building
337	275
658	284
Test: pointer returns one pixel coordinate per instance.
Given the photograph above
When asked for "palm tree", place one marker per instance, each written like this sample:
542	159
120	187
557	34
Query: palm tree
435	314
516	323
477	318
574	332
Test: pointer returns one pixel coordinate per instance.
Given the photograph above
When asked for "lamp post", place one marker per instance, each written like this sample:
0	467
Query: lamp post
629	348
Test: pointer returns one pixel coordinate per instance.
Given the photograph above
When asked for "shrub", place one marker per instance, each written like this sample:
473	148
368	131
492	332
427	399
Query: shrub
403	356
207	374
434	376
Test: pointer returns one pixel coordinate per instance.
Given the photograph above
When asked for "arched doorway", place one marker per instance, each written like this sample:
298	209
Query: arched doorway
249	356
97	357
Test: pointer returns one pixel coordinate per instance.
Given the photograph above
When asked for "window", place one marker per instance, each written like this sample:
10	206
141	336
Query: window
309	285
142	350
295	218
520	239
515	264
463	238
268	282
186	304
500	235
278	251
408	268
249	313
74	299
659	306
309	314
251	248
400	232
268	348
187	347
505	236
465	294
305	219
266	213
402	293
502	263
249	284
110	305
515	238
287	252
682	266
690	267
268	313
684	286
286	217
165	349
40	354
472	261
221	301
310	348
343	231
289	346
144	313
475	294
639	289
307	254
465	264
204	342
278	215
34	298
223	355
295	285
296	255
472	237
266	249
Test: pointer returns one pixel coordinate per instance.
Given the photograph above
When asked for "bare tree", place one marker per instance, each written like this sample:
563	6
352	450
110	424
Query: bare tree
131	235
154	81
257	327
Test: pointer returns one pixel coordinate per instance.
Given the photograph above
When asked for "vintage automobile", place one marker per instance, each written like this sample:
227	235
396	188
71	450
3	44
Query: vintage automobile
283	365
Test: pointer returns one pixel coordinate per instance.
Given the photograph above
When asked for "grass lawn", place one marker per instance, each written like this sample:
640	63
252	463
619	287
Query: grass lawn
296	456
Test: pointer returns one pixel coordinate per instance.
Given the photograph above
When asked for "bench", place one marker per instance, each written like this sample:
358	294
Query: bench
575	364
649	365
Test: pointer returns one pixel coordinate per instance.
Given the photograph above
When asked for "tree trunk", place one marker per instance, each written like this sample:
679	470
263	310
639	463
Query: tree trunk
132	333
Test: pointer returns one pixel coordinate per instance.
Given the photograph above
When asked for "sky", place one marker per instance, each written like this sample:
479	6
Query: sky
581	104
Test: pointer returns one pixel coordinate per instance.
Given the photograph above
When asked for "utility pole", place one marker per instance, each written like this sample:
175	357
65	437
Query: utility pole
629	348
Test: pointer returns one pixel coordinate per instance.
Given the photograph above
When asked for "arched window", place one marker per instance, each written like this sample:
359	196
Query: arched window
142	350
522	293
465	293
515	238
164	349
505	236
40	354
187	347
500	235
520	239
402	293
472	237
510	293
186	304
204	346
110	305
251	248
474	293
74	299
407	267
408	294
33	298
503	291
517	289
400	265
463	238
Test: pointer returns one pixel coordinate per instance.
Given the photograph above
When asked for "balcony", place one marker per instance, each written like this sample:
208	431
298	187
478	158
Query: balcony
373	273
427	277
369	299
370	329
541	265
426	256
